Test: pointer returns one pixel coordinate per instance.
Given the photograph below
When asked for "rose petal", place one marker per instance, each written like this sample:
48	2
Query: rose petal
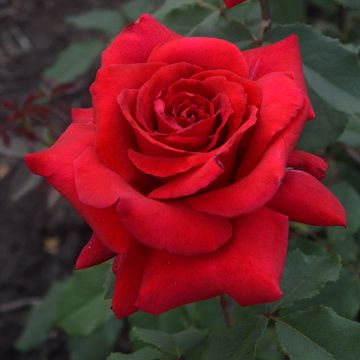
147	143
282	101
232	3
304	199
314	165
179	229
114	136
96	185
189	182
252	90
136	41
93	253
82	116
128	269
164	166
283	56
56	164
250	192
162	79
209	53
172	226
248	268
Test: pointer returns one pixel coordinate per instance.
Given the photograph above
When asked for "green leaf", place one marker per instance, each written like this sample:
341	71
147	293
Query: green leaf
175	344
74	61
146	353
170	5
96	346
350	199
307	247
82	308
267	347
160	339
188	339
325	129
183	19
215	25
351	4
237	342
342	296
321	55
351	135
305	275
318	334
40	320
287	11
109	284
104	20
134	8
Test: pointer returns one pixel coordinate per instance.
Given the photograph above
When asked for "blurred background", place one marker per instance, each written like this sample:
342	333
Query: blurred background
49	52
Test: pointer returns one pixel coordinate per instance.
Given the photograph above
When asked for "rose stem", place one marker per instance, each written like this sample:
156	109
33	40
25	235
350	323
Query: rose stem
228	310
265	18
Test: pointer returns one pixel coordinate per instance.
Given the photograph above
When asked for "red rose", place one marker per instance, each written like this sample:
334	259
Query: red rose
185	167
232	3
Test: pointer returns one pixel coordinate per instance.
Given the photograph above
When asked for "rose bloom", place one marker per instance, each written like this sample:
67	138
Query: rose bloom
185	168
232	3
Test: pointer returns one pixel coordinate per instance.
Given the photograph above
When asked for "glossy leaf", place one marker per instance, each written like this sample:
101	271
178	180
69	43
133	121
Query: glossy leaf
237	342
74	61
305	275
40	320
318	334
105	20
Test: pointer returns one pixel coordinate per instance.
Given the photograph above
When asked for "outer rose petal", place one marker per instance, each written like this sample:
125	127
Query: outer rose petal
93	253
114	136
256	188
82	116
209	53
304	199
248	193
282	101
179	229
314	165
248	268
136	41
283	56
128	269
232	3
173	227
56	165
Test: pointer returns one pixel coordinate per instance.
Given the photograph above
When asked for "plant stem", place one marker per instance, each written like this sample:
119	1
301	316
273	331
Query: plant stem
265	18
227	309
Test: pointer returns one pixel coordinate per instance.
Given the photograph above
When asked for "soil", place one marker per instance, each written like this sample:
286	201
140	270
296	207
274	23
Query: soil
40	235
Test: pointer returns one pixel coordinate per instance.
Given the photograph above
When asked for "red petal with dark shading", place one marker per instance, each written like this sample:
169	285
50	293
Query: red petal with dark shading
283	56
136	41
305	199
190	182
248	268
314	165
128	269
93	253
114	136
209	53
56	165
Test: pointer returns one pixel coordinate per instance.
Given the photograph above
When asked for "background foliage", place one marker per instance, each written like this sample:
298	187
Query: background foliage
318	316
